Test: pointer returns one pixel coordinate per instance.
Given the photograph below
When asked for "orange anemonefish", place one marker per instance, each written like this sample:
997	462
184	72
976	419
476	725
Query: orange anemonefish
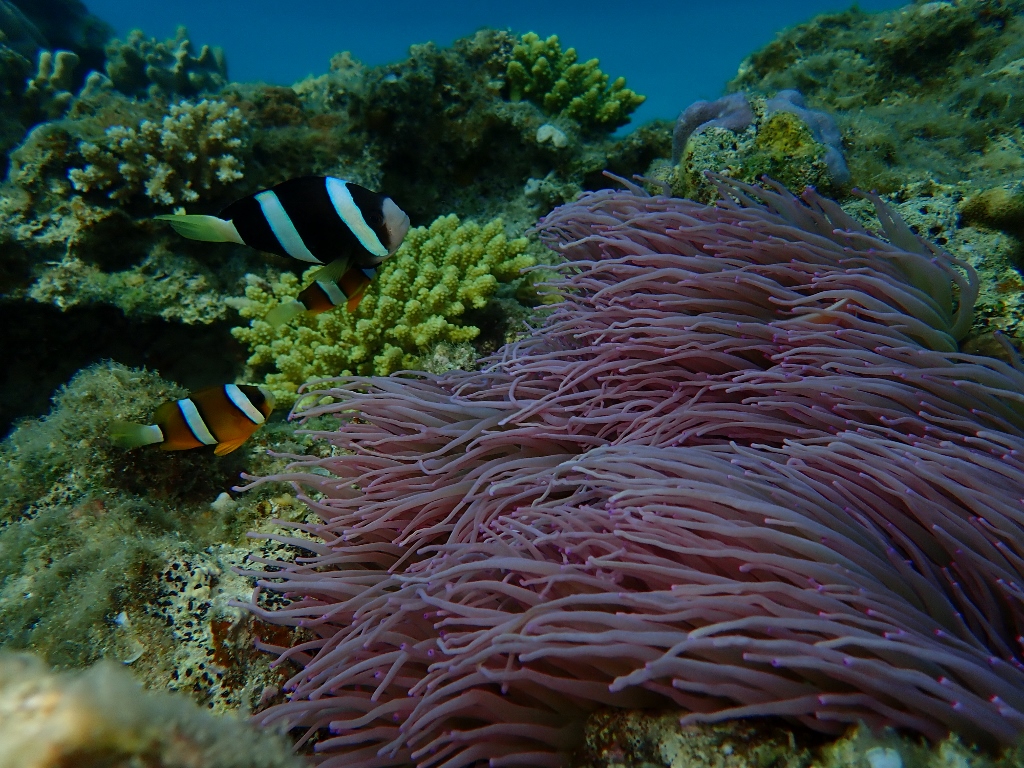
319	219
332	286
224	416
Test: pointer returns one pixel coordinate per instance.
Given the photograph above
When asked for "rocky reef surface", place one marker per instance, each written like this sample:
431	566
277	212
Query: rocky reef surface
134	557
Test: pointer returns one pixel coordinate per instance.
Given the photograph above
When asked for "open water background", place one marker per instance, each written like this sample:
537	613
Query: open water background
672	52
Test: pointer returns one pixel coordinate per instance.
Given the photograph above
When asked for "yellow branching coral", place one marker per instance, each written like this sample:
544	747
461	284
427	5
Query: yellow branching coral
555	81
416	302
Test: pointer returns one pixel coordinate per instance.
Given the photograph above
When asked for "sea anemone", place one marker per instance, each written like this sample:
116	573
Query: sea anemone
740	470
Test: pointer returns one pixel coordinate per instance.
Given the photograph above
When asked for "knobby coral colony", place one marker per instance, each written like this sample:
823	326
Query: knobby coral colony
741	470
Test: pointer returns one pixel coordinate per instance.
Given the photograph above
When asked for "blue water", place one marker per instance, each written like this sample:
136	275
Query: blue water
672	52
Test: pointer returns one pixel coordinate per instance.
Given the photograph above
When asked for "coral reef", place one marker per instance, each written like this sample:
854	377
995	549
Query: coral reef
554	80
102	718
75	211
128	555
138	65
193	149
418	300
81	189
924	93
743	470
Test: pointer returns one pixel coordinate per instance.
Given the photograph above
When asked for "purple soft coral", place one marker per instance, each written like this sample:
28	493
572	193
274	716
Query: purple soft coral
741	470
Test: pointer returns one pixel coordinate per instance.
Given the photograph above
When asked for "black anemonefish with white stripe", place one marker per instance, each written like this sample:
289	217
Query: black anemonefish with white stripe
224	416
318	219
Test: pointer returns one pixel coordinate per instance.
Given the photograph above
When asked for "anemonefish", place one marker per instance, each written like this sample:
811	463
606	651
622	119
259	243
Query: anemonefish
334	285
320	219
224	416
312	218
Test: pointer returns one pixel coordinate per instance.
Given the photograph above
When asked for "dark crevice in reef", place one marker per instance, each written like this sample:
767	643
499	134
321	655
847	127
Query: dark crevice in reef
42	347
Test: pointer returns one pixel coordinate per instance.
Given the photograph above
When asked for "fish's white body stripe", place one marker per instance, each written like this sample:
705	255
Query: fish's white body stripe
152	433
349	212
333	292
243	403
370	273
195	422
285	232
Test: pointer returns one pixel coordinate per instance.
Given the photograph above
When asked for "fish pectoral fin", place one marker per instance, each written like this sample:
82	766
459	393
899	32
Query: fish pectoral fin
331	272
210	229
284	313
229	445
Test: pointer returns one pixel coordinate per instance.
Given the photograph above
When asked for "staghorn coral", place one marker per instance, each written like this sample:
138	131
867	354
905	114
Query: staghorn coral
553	79
102	718
137	65
416	301
48	93
195	148
742	470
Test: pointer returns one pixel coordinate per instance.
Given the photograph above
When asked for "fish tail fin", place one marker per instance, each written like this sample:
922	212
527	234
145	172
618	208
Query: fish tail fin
125	434
210	229
284	313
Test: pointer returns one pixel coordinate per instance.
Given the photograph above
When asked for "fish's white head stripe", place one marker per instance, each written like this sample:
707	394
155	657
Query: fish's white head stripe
349	213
